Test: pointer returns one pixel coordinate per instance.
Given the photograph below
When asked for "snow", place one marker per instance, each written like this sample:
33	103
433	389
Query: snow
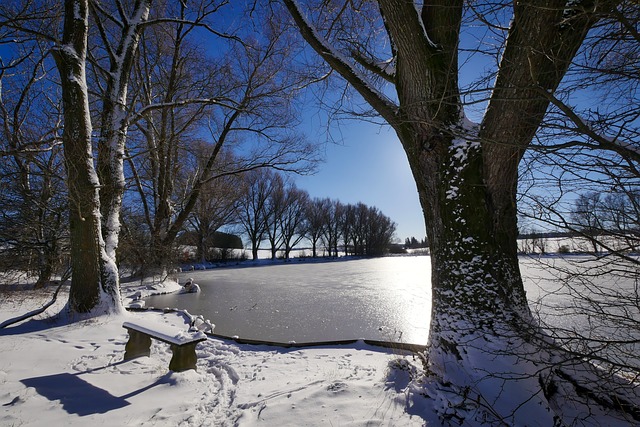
178	336
57	372
460	149
452	192
60	371
418	6
388	66
80	13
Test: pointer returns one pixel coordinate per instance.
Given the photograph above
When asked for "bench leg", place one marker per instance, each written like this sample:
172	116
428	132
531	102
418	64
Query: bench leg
184	357
139	344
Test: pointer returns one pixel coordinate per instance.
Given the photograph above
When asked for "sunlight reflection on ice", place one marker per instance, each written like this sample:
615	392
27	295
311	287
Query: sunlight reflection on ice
382	299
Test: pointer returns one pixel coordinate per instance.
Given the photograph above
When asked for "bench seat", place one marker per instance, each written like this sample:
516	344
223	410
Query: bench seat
182	342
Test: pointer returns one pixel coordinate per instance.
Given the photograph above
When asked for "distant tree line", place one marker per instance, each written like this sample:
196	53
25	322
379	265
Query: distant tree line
413	243
260	204
595	222
216	246
275	211
609	222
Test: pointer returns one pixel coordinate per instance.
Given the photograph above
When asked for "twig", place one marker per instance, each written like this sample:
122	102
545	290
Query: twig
34	312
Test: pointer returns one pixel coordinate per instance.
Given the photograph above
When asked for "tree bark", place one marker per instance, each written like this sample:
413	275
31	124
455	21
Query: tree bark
111	145
94	285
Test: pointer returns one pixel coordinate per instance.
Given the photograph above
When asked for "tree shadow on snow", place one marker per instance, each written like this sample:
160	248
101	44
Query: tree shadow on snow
32	325
80	397
27	323
75	394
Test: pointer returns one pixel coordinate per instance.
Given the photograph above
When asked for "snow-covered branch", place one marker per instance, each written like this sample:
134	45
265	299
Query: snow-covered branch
223	102
381	103
384	69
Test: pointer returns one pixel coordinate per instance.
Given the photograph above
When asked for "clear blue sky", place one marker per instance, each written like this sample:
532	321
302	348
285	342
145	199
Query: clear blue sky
368	165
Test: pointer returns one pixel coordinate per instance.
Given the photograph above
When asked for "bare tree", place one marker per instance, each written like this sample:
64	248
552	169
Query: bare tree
588	153
215	208
359	230
285	214
240	97
315	212
585	216
252	206
255	100
401	57
380	233
292	221
331	226
589	150
120	29
621	218
94	285
365	229
347	224
33	200
274	208
95	282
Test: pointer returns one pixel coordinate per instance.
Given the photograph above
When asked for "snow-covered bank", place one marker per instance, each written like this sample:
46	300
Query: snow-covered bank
56	372
296	258
53	372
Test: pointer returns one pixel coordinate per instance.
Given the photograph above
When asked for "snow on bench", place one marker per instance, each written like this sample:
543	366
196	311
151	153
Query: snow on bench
182	342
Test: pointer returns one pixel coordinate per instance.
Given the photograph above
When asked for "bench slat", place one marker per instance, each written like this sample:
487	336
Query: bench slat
166	333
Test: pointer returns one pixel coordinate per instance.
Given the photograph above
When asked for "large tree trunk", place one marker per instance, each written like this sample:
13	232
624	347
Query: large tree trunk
202	246
480	319
94	284
111	146
487	359
482	335
254	250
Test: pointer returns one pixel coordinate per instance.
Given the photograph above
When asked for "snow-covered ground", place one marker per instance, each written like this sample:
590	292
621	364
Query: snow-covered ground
56	372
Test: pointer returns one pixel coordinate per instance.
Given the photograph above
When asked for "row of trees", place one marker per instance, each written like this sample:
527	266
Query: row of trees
168	96
594	222
413	243
277	212
609	222
262	204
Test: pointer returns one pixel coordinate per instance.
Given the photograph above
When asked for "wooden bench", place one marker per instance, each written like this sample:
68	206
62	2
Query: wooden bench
182	342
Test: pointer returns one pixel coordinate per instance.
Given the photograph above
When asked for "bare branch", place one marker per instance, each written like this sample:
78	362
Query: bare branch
381	103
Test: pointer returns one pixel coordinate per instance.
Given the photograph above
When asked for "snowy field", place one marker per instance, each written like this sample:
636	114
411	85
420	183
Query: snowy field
61	373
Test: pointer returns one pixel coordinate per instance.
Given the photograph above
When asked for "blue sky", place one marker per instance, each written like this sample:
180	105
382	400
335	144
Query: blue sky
368	165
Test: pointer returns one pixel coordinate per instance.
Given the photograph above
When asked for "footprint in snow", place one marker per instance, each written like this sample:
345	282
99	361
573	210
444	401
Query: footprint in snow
15	400
337	387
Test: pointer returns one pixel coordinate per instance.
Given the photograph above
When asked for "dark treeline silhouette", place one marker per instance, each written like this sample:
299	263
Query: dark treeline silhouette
274	210
413	243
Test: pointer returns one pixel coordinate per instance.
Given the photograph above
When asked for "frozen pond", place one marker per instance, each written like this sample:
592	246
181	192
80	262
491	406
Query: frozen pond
382	299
